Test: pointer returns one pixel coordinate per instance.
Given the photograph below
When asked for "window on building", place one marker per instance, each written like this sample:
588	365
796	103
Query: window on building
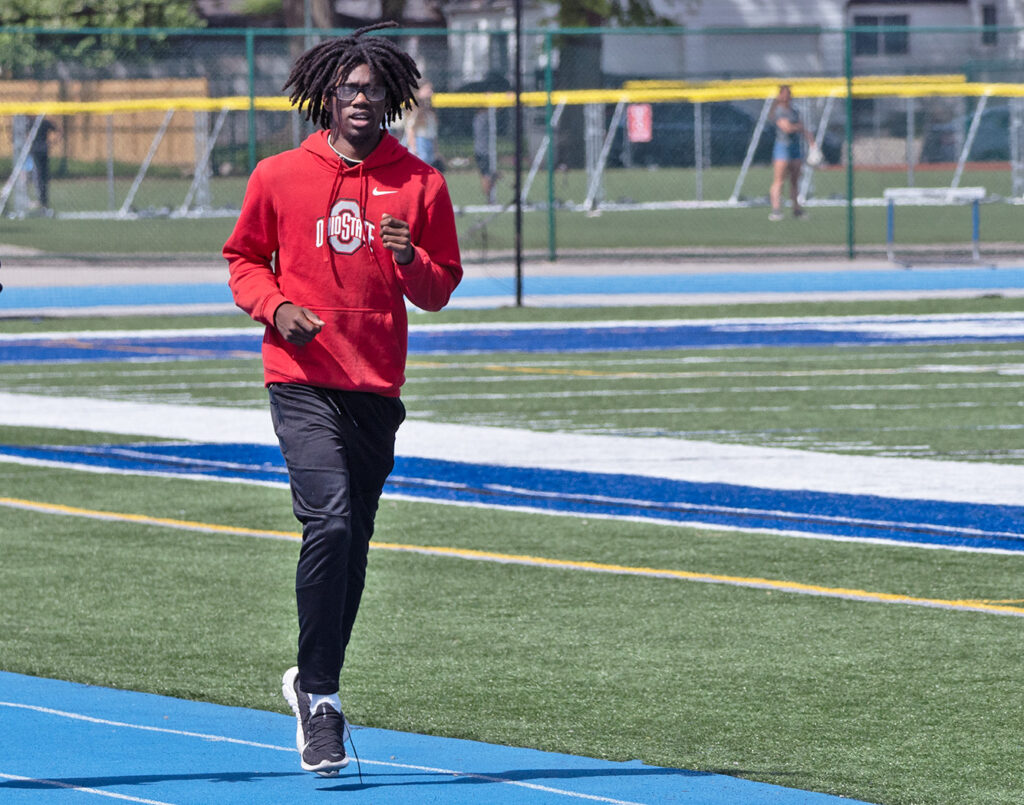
988	20
896	41
888	42
864	43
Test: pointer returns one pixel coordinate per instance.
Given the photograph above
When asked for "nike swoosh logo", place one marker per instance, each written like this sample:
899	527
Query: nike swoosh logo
378	192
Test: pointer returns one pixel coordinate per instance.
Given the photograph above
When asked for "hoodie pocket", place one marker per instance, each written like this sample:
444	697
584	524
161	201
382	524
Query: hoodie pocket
359	348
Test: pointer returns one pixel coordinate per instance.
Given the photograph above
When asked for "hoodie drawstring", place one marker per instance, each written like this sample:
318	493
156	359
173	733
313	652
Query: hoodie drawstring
335	187
363	197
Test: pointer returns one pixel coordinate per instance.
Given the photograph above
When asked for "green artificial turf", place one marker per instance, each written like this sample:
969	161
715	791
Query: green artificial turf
877	701
485	235
885	702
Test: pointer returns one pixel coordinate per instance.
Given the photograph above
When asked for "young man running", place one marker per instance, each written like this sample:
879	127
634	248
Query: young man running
332	239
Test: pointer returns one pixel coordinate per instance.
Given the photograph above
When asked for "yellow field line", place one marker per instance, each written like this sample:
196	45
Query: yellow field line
753	582
141	519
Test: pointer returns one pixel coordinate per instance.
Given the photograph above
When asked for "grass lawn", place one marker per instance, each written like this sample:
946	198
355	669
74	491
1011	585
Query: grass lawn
487	234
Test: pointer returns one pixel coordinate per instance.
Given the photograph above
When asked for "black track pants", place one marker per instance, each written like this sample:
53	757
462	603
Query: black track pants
339	447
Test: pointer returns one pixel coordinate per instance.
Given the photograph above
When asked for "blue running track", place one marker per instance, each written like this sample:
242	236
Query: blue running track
499	290
63	742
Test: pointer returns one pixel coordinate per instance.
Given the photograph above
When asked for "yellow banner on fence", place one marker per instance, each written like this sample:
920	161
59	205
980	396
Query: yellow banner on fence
631	92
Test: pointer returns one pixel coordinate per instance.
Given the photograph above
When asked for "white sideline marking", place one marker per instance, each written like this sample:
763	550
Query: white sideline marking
675	459
700	299
258	745
80	788
941	325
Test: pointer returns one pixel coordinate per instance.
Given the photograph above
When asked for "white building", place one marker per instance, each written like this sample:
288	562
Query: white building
813	43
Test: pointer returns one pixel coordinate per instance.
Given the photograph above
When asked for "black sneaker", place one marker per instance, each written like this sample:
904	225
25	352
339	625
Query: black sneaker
319	736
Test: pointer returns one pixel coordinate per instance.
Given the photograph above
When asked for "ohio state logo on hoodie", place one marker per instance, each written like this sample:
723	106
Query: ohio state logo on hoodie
344	229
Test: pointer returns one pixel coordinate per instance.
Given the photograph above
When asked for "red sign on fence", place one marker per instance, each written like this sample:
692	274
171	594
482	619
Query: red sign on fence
639	118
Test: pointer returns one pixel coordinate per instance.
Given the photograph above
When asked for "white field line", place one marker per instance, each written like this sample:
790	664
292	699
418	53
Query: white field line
677	459
81	789
424	365
708	507
136	335
513	395
949	325
949	352
258	745
52	388
388	495
712	526
687	299
566	376
140	393
527	373
573	413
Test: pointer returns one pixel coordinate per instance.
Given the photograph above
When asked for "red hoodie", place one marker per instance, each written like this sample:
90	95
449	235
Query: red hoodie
308	234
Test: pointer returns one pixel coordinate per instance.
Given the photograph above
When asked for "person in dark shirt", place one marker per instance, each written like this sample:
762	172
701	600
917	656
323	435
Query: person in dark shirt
40	152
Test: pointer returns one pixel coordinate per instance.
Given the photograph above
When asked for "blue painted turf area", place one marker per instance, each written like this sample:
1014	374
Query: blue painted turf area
65	742
898	520
588	337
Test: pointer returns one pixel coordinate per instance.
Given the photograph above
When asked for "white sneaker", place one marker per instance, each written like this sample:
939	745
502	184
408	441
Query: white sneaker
320	737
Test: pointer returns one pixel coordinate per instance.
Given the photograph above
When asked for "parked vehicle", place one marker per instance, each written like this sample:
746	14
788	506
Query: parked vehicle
458	122
728	132
944	141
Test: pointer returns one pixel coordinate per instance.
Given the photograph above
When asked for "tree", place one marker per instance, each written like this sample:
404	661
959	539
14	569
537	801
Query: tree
321	13
23	54
579	63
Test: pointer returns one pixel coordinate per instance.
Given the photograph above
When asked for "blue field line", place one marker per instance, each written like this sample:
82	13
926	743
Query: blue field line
934	523
14	298
586	337
180	347
726	282
66	742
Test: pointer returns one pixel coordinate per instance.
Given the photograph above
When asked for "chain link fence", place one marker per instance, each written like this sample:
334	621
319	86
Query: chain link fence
632	140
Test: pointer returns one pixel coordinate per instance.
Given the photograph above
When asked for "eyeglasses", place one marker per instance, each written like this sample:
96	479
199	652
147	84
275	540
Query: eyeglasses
373	92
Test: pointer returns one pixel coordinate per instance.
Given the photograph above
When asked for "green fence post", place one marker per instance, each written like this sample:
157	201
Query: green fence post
549	83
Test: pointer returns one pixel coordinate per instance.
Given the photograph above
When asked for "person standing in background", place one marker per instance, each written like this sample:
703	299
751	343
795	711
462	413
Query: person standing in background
787	154
39	151
483	156
422	127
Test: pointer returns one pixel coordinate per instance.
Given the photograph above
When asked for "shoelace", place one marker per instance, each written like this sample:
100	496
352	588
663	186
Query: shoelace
355	754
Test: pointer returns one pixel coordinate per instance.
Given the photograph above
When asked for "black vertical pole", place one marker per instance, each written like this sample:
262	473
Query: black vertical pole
519	153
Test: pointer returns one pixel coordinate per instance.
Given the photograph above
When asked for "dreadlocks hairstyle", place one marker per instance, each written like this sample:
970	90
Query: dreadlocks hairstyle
321	68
